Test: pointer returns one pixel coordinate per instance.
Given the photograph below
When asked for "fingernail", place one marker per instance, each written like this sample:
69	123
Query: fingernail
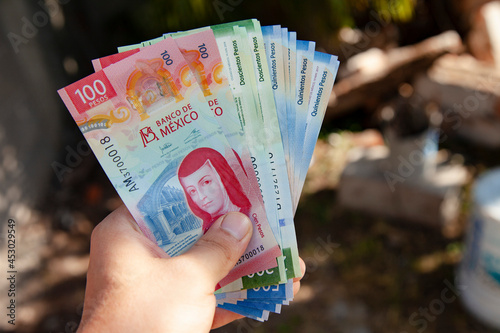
237	225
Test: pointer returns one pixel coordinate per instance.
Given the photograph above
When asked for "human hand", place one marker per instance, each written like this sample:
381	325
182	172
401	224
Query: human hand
134	286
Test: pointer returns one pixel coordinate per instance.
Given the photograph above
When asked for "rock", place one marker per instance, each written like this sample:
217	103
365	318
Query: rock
467	92
370	77
368	183
484	37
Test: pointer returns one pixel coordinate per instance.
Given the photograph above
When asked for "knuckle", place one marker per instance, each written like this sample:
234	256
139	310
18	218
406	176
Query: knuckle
224	251
97	232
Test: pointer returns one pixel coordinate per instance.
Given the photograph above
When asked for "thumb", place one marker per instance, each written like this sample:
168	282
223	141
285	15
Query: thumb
220	248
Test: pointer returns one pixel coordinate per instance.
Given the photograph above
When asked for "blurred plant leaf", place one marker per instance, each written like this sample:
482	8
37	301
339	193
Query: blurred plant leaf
160	16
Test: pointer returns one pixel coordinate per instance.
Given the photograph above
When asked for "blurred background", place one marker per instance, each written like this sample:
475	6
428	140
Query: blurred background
413	121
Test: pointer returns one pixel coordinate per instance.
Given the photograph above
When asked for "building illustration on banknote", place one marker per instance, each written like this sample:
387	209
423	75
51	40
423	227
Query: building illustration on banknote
165	209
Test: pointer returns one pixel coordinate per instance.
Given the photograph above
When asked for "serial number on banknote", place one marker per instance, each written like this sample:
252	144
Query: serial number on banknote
275	181
120	165
255	168
250	254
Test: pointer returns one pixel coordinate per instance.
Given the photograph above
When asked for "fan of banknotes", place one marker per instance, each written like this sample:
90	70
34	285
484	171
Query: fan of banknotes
195	124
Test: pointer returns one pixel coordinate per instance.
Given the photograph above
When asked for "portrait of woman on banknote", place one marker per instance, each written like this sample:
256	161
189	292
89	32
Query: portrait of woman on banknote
211	186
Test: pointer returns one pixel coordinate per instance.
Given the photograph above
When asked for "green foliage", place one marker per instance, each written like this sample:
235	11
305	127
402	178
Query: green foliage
399	10
343	12
159	16
318	16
